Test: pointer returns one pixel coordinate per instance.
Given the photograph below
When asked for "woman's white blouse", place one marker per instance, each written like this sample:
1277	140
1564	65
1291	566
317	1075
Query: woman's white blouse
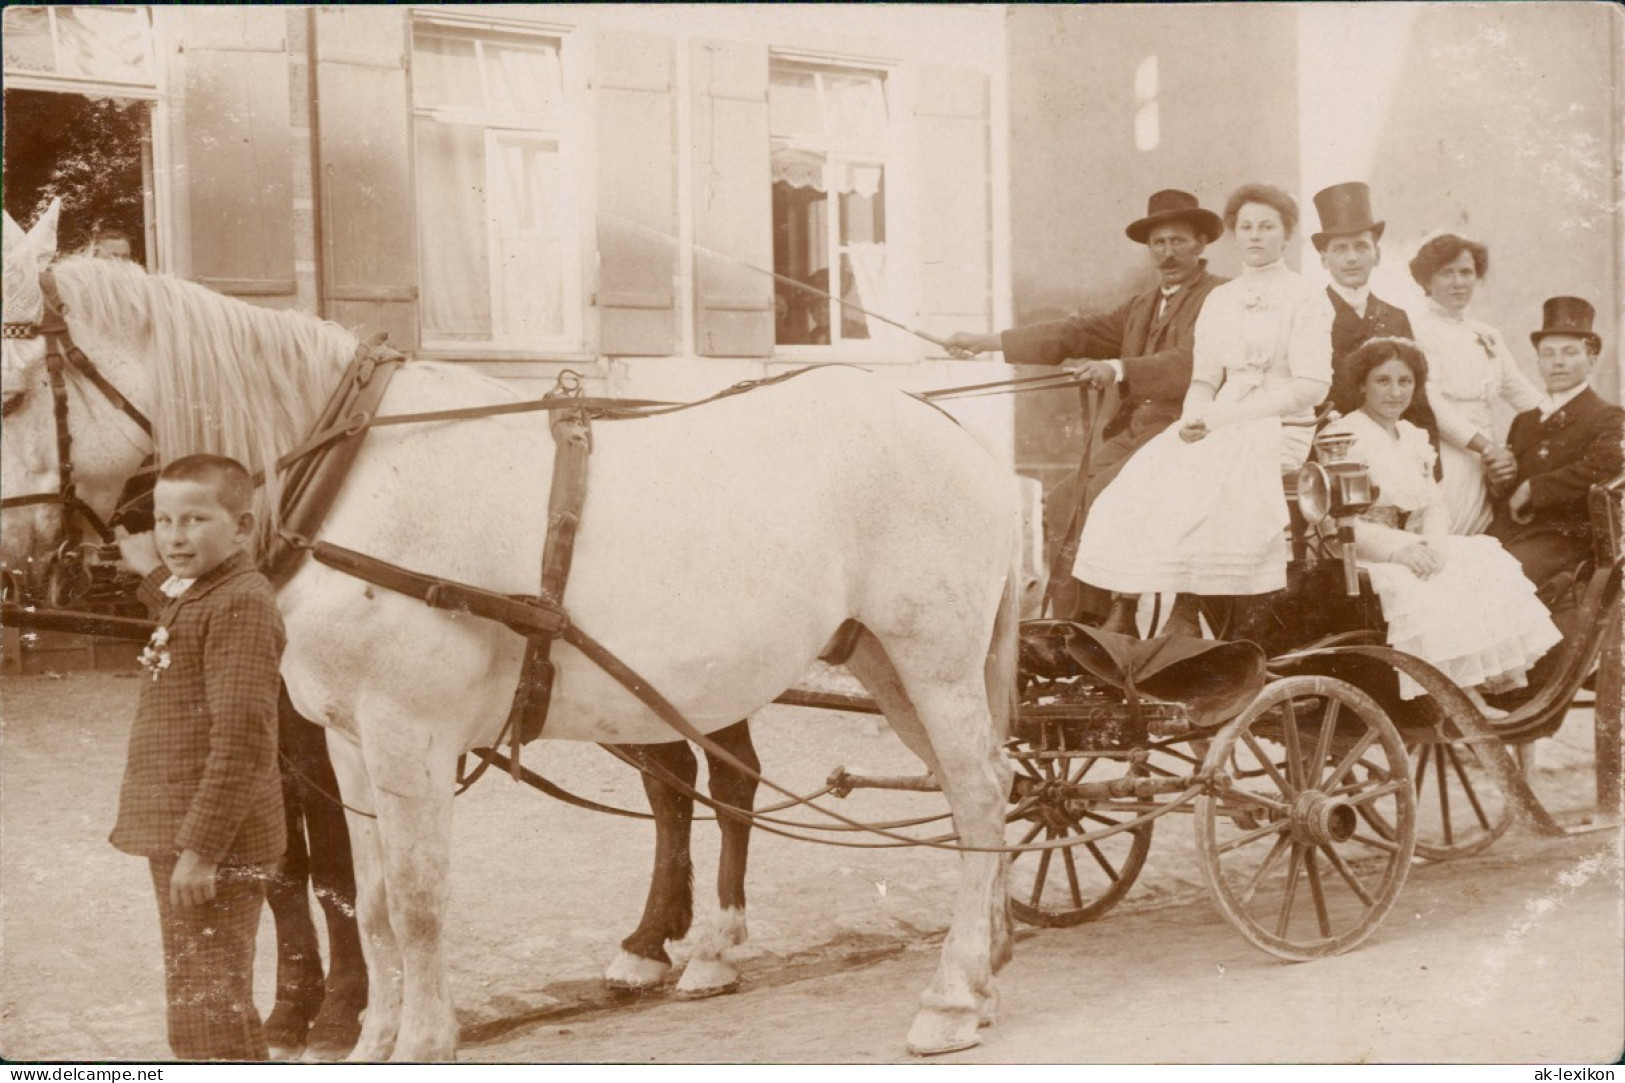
1469	365
1402	468
1262	330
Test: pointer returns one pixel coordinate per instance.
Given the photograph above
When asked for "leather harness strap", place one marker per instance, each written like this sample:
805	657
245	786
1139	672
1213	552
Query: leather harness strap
540	619
55	329
572	440
62	354
313	476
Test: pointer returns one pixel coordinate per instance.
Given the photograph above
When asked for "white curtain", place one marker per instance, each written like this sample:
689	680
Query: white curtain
527	208
28	40
108	43
493	225
868	263
855	110
451	231
524	79
809	169
445	72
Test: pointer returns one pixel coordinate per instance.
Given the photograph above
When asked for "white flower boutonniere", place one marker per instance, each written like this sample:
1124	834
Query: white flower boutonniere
154	657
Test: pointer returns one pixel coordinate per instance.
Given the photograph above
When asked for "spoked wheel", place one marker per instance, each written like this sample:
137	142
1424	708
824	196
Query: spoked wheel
1068	885
1279	832
1461	810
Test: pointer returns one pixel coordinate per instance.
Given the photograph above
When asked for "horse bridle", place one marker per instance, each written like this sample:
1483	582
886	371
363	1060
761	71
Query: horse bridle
62	354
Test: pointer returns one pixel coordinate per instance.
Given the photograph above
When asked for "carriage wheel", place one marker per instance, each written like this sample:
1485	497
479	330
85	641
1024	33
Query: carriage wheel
1279	829
1460	809
1069	885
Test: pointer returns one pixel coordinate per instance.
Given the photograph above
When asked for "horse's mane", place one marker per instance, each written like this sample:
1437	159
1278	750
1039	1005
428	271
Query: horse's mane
229	377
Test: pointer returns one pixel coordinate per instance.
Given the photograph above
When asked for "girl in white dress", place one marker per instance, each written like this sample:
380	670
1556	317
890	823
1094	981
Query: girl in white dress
1199	510
1458	602
1471	366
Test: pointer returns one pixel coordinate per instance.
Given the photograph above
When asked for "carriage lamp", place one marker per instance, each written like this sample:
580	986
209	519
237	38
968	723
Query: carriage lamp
1336	485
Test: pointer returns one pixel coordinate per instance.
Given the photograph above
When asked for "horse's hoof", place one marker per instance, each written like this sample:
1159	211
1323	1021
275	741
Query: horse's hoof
988	1013
332	1040
709	991
704	978
277	1051
935	1033
634	974
285	1031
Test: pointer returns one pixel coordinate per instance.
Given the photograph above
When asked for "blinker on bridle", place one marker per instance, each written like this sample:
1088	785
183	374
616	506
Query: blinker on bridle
61	353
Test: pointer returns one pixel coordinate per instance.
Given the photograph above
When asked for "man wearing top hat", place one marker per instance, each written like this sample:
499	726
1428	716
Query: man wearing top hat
1568	443
1349	243
1144	344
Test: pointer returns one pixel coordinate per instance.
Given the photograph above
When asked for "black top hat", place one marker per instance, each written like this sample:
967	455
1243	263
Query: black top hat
1345	209
1172	205
1568	316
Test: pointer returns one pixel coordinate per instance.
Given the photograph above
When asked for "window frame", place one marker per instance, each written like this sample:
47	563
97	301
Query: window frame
56	81
889	155
572	132
163	226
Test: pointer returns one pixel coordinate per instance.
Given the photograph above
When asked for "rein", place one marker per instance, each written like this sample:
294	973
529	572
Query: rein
619	409
61	355
538	617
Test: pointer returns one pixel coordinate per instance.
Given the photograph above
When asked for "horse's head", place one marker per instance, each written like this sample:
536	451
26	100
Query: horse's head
45	503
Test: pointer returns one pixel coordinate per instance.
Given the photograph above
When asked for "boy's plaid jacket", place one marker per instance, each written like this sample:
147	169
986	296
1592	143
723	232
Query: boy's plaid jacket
202	772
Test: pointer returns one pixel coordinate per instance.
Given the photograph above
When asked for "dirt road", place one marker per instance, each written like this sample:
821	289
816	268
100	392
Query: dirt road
1514	955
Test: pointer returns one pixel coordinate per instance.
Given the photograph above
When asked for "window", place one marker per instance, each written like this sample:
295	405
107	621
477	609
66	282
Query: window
88	44
830	128
80	85
1147	114
497	236
93	153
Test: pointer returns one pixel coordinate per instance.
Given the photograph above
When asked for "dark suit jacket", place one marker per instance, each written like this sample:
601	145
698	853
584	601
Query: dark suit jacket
202	770
1156	353
1561	458
1350	331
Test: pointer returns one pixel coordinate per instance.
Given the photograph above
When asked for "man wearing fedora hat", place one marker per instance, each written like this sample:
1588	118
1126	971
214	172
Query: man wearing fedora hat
1350	247
1567	444
1144	344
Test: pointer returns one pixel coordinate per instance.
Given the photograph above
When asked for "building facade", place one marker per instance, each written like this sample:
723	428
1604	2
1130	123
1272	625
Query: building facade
1501	122
639	193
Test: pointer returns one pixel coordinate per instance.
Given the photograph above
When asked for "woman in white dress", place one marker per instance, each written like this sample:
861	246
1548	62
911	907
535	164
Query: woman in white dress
1199	510
1458	602
1471	366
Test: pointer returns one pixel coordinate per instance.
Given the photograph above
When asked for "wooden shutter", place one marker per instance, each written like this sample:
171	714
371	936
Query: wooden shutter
364	170
236	145
637	179
954	197
733	208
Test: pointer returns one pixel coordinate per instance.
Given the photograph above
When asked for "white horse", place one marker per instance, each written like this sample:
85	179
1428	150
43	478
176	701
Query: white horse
721	548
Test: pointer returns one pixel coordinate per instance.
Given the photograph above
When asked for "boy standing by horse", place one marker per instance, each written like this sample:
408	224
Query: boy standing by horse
202	798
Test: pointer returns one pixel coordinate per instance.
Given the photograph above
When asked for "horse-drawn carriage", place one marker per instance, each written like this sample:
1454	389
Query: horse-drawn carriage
1287	739
1303	776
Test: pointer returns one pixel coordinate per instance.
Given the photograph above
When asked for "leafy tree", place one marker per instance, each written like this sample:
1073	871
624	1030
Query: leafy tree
87	151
